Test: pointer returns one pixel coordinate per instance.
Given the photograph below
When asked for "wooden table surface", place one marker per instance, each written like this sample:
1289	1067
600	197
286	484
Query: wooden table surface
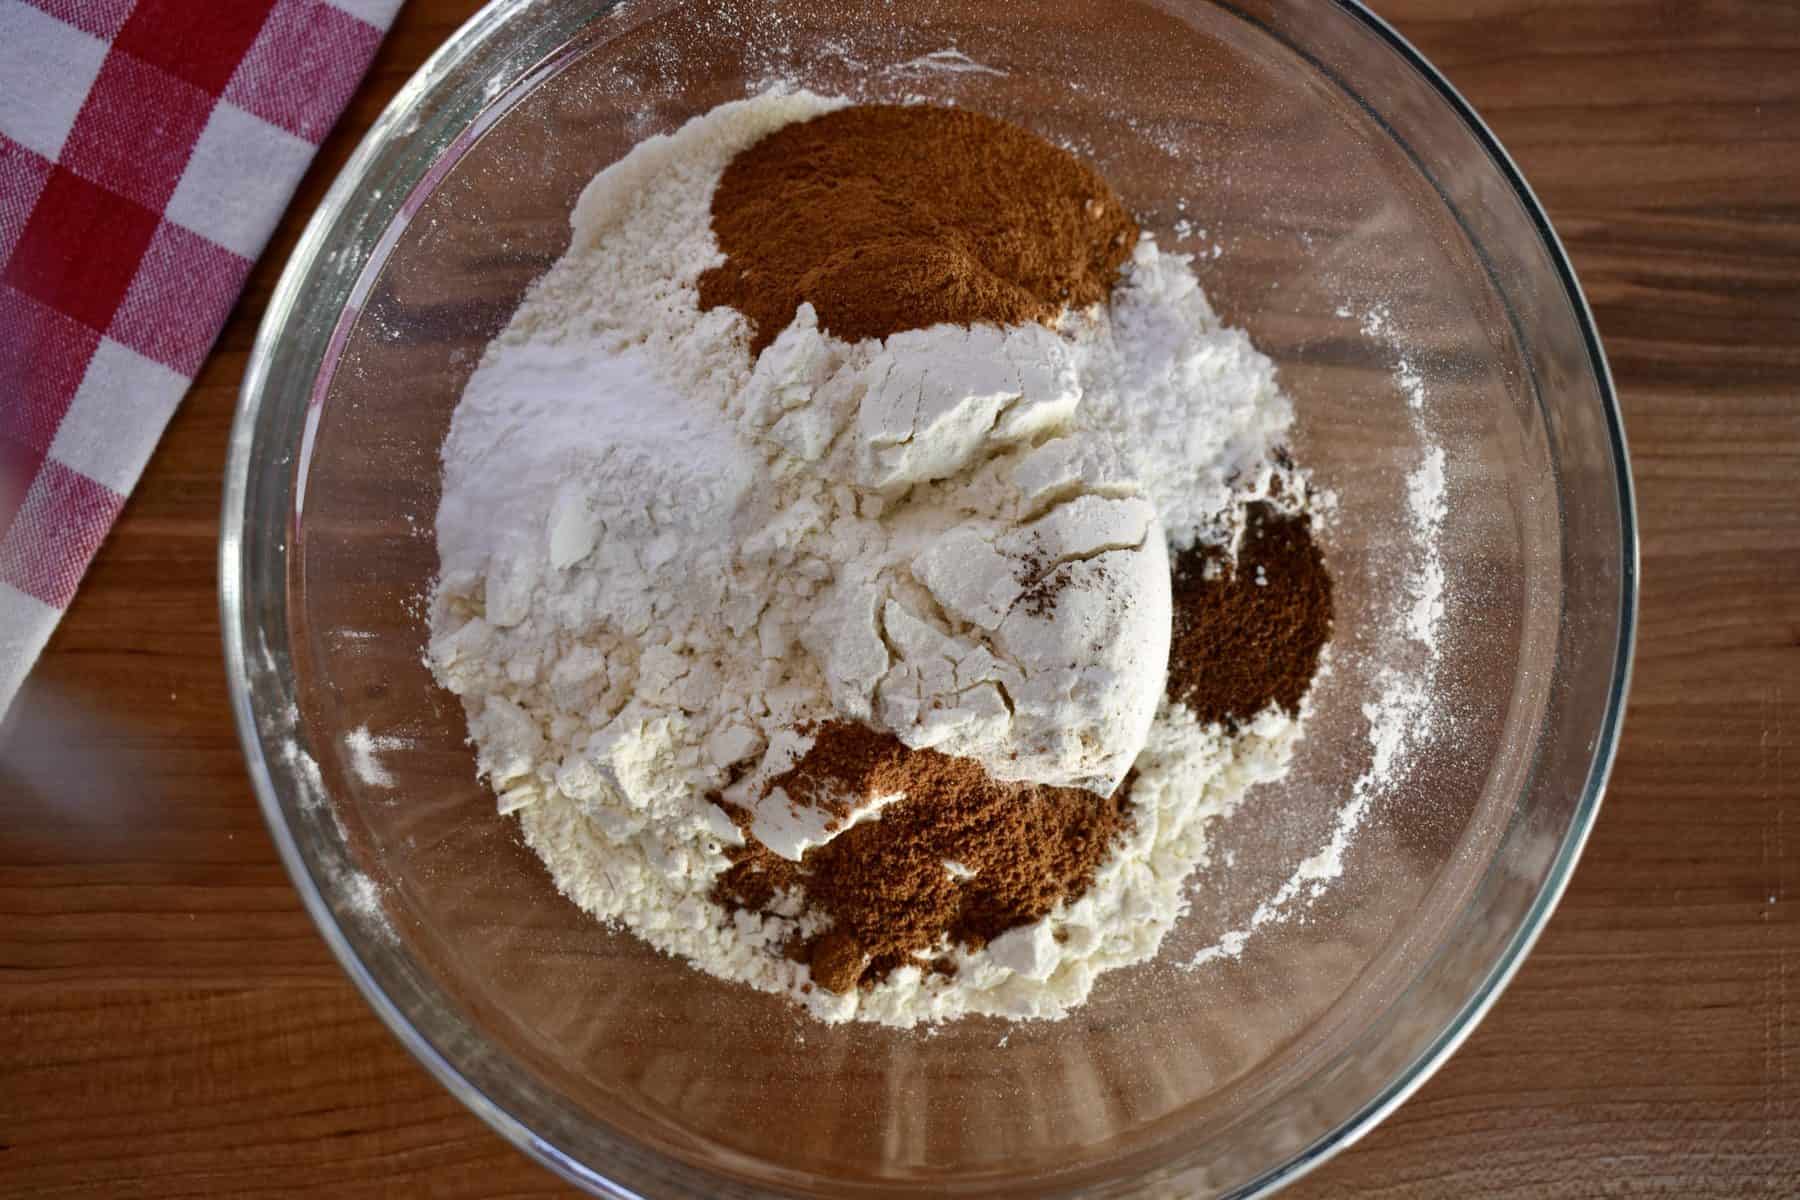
171	1024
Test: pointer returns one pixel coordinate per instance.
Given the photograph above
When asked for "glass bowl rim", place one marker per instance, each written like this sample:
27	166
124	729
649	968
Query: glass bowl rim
233	570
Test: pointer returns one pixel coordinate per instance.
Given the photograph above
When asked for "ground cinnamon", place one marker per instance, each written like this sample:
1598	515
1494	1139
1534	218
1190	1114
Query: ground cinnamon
1248	634
895	217
963	856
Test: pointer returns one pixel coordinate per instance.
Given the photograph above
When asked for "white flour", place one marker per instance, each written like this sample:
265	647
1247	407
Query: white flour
1190	404
658	560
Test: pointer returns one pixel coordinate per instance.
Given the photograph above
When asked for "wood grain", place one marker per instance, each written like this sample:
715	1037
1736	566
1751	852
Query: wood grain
171	1025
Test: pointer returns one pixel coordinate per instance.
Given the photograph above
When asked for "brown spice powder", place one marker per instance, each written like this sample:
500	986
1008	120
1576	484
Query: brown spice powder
1251	636
895	217
885	884
1043	580
837	961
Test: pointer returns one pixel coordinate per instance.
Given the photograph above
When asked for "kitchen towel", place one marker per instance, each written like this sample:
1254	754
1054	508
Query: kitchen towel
147	148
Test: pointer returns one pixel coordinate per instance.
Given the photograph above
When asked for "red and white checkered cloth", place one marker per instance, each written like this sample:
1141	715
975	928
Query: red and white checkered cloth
147	148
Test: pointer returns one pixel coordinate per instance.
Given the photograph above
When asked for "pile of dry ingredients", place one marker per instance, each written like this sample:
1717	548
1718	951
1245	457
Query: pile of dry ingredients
868	565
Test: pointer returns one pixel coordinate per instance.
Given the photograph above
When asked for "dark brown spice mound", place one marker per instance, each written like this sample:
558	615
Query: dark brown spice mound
884	882
1238	644
837	961
895	217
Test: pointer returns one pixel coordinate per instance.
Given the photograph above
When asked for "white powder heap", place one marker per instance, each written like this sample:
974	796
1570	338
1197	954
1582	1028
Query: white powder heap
660	560
1191	405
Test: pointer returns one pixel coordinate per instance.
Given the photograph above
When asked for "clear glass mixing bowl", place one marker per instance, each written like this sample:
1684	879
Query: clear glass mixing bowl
1348	210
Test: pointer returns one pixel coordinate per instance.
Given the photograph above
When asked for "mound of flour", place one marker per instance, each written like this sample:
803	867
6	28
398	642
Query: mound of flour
661	560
